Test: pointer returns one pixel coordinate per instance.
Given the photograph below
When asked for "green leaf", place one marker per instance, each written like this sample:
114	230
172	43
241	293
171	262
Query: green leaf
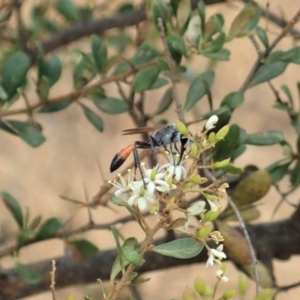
13	206
277	170
121	262
212	26
68	9
222	55
144	54
265	138
118	201
99	52
214	46
288	93
23	237
111	105
43	88
295	174
233	100
3	94
54	107
145	78
14	72
28	132
164	102
181	248
262	35
238	152
132	255
201	12
35	222
176	44
267	72
245	21
159	82
52	69
225	147
49	228
183	14
232	169
290	56
85	247
28	274
84	71
93	118
198	88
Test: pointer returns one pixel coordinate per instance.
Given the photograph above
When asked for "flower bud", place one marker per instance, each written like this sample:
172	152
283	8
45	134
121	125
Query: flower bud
154	209
243	285
182	129
189	294
153	174
204	232
194	150
211	122
195	178
199	286
211	197
228	294
212	215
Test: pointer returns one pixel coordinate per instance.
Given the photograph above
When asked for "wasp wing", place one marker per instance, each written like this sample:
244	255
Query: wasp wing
138	130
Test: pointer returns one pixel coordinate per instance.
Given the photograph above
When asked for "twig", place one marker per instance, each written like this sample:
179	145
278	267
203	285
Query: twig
251	248
256	46
212	178
171	65
78	93
52	286
258	63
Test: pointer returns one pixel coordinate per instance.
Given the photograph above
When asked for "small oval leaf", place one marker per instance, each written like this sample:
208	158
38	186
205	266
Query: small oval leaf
49	228
181	248
12	204
93	118
233	100
111	105
86	248
145	78
132	255
198	88
99	52
14	72
28	274
267	72
266	138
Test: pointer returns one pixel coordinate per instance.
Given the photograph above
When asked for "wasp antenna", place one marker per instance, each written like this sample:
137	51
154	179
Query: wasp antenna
120	157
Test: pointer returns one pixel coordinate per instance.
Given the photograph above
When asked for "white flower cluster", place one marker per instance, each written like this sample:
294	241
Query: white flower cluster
160	179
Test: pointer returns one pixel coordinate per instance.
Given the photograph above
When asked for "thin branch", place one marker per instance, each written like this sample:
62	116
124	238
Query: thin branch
52	286
77	93
258	62
72	272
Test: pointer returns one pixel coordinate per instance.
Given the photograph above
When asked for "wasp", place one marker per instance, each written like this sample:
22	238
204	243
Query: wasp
163	136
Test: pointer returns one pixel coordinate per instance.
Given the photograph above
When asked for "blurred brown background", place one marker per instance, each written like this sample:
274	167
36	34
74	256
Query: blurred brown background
36	177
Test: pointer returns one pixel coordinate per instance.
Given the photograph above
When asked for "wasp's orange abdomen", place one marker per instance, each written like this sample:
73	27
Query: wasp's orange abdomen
120	157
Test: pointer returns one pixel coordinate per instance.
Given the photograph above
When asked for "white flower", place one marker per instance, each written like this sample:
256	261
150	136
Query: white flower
212	205
140	196
194	210
174	167
220	274
154	180
123	186
197	208
211	122
215	255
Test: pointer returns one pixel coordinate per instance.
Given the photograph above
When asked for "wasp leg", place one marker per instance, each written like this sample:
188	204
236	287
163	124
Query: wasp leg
184	142
153	143
137	161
